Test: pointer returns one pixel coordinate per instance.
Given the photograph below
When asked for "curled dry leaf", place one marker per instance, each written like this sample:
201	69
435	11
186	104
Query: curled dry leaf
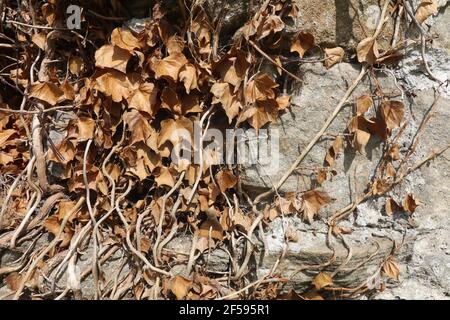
46	91
125	39
302	43
188	75
260	88
226	180
114	84
392	206
360	128
322	280
222	94
392	113
426	9
363	104
334	151
145	99
313	201
180	286
367	50
169	67
333	56
410	203
110	56
391	268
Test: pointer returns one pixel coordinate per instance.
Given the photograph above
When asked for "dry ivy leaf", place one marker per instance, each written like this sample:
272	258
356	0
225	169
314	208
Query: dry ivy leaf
76	65
410	203
394	152
333	56
52	225
363	104
322	280
321	175
334	151
180	286
283	101
313	201
264	112
86	127
170	100
390	170
380	186
113	57
140	129
302	43
360	128
211	226
5	135
169	67
114	84
260	88
175	130
391	268
392	206
232	68
46	91
222	94
426	9
291	234
392	113
13	281
270	25
67	88
145	99
188	75
367	50
125	39
175	44
226	180
240	219
67	148
39	39
164	177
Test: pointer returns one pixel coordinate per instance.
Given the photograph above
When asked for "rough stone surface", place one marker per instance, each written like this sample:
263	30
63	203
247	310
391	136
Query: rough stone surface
424	257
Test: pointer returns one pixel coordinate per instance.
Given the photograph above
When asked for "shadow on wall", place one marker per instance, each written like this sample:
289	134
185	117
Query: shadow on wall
344	22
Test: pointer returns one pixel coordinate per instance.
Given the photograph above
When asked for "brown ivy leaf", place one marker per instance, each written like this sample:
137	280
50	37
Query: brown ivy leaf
46	91
363	104
360	128
394	152
322	280
180	286
211	226
76	65
232	68
391	268
334	151
260	88
188	75
302	43
125	39
426	9
367	50
139	127
264	112
112	57
392	206
169	67
86	127
390	170
392	113
114	84
52	225
226	180
410	203
39	39
313	201
222	94
333	56
271	24
164	177
175	44
145	99
6	135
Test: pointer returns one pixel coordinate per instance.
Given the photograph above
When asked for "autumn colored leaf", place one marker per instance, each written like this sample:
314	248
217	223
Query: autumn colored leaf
392	206
46	91
334	151
188	75
86	127
113	57
391	268
222	94
363	104
270	25
125	39
226	180
169	67
302	43
313	201
264	112
426	9
114	84
180	286
260	88
145	99
410	203
360	127
322	280
333	56
367	50
392	113
232	68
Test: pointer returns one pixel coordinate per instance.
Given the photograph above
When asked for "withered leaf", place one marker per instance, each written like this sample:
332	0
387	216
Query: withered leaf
392	206
363	104
114	84
322	280
391	268
360	128
260	88
313	201
180	286
110	56
410	203
426	9
46	91
169	67
188	75
333	56
367	50
334	151
226	180
302	43
392	112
